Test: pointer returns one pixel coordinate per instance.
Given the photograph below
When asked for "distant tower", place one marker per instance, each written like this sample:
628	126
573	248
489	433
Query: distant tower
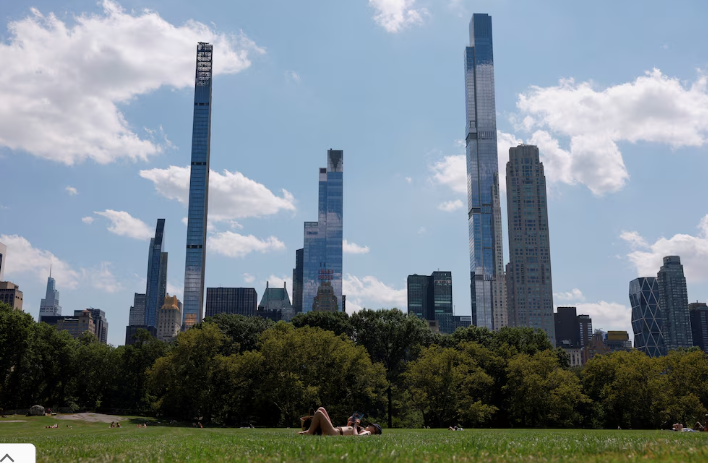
198	191
49	306
322	254
430	298
647	317
169	320
156	275
699	324
297	281
528	278
673	300
484	211
3	253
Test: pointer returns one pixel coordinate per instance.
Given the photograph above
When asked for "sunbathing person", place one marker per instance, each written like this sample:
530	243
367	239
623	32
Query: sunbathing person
321	422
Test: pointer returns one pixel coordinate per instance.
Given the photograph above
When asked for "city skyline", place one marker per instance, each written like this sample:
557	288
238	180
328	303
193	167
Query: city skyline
392	128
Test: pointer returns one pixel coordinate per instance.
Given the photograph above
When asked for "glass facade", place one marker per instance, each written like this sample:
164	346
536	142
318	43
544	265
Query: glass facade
322	253
528	277
418	296
430	298
237	301
647	316
484	210
49	306
673	301
136	316
156	275
699	324
297	281
198	191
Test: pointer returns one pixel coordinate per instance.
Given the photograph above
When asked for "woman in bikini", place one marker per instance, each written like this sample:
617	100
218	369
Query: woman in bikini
321	422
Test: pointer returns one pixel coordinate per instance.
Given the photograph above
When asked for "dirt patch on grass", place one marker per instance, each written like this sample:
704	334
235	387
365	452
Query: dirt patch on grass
13	421
90	417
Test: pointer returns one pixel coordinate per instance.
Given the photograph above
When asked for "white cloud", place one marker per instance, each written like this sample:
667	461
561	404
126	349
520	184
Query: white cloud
409	180
396	15
89	220
24	259
450	206
608	316
175	290
653	108
353	248
451	171
102	278
231	195
573	295
422	231
234	245
693	251
248	278
71	190
277	282
67	80
504	142
292	76
371	293
124	224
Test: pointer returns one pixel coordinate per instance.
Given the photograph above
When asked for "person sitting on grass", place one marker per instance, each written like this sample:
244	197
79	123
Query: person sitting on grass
321	422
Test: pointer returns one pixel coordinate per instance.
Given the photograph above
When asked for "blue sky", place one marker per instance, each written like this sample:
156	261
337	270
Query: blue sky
95	127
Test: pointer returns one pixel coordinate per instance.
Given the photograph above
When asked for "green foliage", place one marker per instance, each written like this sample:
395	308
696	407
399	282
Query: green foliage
244	332
336	322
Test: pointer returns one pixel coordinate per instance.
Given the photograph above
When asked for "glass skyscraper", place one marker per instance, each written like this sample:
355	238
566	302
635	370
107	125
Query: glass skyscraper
297	280
647	317
699	324
322	255
49	306
237	301
430	298
198	191
484	211
156	275
528	277
673	300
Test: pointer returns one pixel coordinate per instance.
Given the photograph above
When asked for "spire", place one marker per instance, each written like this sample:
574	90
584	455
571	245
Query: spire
50	270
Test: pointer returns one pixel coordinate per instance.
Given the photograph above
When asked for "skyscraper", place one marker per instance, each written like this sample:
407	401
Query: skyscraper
169	320
277	299
136	316
3	253
673	300
297	281
430	298
647	316
585	323
10	294
484	211
236	301
198	191
699	324
528	277
567	328
49	306
100	323
156	275
322	254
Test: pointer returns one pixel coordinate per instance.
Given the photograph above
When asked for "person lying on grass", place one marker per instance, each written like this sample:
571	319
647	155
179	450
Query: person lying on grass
322	423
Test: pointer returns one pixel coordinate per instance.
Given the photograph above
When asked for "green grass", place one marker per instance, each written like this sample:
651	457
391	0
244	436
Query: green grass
96	442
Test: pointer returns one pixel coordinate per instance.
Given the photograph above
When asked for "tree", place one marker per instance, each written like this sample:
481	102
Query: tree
244	332
392	338
336	322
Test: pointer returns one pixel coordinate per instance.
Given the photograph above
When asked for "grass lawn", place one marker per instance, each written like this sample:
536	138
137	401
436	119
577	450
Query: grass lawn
96	442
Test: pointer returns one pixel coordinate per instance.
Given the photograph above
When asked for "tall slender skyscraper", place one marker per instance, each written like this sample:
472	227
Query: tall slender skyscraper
484	211
49	306
673	301
647	316
528	278
322	255
198	191
156	275
3	253
297	281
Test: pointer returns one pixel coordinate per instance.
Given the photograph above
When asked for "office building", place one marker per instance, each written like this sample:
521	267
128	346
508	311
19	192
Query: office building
430	298
462	321
11	295
136	316
698	312
278	299
297	280
132	330
236	301
100	323
647	317
169	319
156	275
3	254
585	325
567	328
49	306
575	356
198	191
322	253
484	211
596	346
617	341
673	300
80	323
528	278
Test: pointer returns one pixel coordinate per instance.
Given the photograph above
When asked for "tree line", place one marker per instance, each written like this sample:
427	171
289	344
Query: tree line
231	370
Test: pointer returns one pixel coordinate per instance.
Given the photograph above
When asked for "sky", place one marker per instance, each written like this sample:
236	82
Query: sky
95	136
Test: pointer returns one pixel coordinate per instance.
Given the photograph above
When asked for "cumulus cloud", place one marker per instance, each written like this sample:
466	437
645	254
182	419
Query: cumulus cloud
234	245
24	259
450	206
89	220
292	76
371	293
175	290
504	142
124	224
693	250
71	190
353	248
248	278
409	180
573	295
653	108
66	81
608	316
101	278
231	195
396	15
277	282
